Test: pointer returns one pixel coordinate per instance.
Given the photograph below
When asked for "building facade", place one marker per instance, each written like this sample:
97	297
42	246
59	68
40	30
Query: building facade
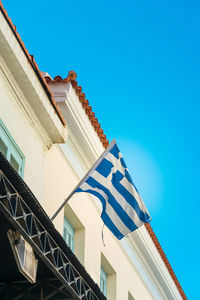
51	137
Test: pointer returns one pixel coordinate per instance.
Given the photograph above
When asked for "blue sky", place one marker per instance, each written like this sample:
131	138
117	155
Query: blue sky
138	63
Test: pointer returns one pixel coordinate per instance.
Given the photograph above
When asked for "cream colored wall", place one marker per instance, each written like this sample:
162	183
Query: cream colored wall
51	177
60	180
17	118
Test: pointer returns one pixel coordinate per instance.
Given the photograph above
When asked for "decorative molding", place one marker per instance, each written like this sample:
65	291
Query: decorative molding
71	78
25	76
82	137
23	103
152	262
32	62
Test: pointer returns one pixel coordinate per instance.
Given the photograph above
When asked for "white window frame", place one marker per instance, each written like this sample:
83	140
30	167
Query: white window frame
13	152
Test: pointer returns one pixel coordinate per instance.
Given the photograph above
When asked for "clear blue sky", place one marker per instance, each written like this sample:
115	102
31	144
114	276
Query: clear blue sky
139	65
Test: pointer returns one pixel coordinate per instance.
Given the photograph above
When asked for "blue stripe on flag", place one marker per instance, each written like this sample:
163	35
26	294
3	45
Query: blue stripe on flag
105	167
115	151
123	163
95	193
116	206
128	176
129	198
121	210
106	219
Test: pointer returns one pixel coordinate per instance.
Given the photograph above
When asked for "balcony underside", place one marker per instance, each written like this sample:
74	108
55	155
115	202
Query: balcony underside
60	275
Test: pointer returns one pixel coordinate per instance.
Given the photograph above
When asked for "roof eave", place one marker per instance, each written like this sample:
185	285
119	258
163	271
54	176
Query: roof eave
26	74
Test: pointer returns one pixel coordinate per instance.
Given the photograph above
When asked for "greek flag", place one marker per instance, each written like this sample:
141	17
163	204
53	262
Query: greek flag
109	180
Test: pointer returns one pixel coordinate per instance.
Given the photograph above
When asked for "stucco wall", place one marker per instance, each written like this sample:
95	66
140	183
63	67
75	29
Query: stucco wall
24	128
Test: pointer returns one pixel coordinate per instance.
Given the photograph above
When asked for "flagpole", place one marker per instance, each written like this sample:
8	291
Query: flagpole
83	179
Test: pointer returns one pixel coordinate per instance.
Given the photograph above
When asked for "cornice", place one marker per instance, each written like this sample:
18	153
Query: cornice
23	104
165	260
82	137
32	62
71	78
23	74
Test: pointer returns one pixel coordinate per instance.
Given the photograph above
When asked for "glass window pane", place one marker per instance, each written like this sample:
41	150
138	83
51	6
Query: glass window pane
64	233
103	282
10	149
3	147
14	163
68	234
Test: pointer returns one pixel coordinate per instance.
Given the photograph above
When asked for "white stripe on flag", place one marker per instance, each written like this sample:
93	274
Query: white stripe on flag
116	163
118	197
109	210
129	186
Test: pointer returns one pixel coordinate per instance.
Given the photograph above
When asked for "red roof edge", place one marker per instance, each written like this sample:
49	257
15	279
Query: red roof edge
88	109
165	260
85	103
33	64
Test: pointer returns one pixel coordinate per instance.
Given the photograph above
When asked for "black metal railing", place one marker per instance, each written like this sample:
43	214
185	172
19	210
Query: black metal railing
16	210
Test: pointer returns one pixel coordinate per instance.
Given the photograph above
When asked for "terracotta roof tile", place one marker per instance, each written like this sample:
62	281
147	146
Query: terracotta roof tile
85	103
31	60
165	260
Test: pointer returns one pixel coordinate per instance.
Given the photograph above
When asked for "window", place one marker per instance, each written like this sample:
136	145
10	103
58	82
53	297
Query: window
108	279
76	230
10	149
68	234
130	297
103	282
